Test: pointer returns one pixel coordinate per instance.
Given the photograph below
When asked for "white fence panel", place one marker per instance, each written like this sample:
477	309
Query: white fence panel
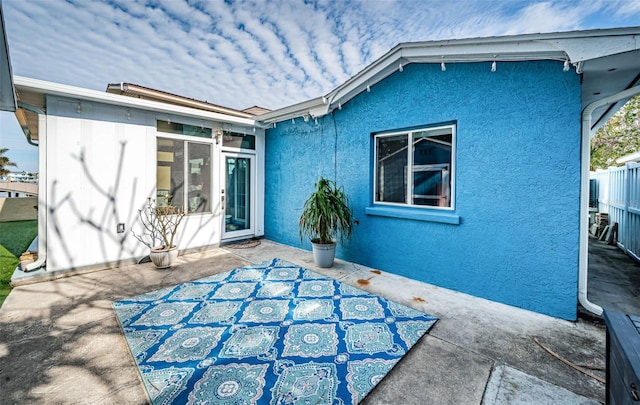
619	196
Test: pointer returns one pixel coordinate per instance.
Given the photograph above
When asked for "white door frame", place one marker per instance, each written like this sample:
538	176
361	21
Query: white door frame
251	230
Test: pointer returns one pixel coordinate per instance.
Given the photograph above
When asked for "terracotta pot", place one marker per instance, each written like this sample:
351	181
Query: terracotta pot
163	258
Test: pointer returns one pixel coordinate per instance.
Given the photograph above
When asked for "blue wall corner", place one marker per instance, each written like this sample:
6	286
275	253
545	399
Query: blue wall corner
517	180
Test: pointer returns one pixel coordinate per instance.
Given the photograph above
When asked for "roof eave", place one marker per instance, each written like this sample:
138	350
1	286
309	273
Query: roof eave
315	108
130	89
563	46
56	89
7	88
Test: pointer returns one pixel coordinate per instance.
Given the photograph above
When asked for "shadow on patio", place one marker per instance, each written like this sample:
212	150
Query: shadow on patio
60	341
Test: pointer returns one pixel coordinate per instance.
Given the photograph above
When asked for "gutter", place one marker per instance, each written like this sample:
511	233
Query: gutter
583	267
25	129
42	189
164	97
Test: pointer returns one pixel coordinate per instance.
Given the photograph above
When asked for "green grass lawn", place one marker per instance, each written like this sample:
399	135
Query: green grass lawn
15	238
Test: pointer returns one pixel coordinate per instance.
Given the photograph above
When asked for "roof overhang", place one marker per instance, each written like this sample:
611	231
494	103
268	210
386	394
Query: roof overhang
7	90
32	95
134	90
609	61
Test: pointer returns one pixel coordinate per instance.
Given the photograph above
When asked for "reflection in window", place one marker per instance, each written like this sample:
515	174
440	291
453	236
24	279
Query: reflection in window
391	169
172	175
183	129
199	180
238	180
420	175
236	140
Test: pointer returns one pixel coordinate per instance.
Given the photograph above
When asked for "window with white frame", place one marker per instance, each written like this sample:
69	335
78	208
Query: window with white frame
183	170
415	167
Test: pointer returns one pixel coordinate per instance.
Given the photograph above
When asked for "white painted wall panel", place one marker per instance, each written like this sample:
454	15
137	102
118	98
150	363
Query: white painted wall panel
101	169
98	175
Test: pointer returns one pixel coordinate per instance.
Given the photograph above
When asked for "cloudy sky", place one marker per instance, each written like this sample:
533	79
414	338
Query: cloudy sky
254	52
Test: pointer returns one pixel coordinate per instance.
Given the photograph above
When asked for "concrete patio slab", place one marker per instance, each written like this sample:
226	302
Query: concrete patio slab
60	341
436	372
509	386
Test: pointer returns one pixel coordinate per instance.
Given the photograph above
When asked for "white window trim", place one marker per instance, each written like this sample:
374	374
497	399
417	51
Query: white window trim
193	139
410	134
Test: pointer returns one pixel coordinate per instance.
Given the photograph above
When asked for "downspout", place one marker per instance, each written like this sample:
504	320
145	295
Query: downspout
42	187
583	268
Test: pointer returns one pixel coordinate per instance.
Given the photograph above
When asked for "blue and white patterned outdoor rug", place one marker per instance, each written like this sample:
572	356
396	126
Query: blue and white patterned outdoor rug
272	333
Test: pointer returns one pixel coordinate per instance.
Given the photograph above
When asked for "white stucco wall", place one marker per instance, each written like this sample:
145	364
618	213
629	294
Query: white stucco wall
101	167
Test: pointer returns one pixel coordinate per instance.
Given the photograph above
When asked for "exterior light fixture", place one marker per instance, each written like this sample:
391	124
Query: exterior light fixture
566	66
293	120
443	67
368	89
400	67
128	114
217	135
339	106
79	108
493	66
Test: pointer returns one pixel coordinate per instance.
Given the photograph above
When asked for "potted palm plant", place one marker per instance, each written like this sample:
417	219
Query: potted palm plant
160	225
325	215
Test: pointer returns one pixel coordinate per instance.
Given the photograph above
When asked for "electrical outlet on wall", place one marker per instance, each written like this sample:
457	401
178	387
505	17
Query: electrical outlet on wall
120	227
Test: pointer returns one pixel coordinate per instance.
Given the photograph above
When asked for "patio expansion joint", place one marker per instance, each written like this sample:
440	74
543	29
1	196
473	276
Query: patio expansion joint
433	334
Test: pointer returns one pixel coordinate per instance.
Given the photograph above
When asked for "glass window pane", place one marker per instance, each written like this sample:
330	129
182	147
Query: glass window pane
391	168
238	180
170	173
183	129
236	140
199	177
432	167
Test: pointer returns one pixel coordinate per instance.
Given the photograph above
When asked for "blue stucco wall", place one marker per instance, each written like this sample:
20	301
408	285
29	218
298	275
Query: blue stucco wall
517	180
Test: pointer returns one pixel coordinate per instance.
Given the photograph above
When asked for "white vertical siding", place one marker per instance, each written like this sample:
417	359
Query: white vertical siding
100	169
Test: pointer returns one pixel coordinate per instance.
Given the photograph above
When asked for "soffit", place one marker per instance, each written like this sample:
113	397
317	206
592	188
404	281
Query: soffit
606	76
27	119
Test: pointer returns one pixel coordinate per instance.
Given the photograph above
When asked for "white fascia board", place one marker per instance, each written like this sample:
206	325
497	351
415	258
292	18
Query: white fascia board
583	49
574	46
551	36
79	93
500	51
313	107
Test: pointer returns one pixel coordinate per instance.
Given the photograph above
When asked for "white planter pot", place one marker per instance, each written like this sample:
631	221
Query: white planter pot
163	258
323	254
